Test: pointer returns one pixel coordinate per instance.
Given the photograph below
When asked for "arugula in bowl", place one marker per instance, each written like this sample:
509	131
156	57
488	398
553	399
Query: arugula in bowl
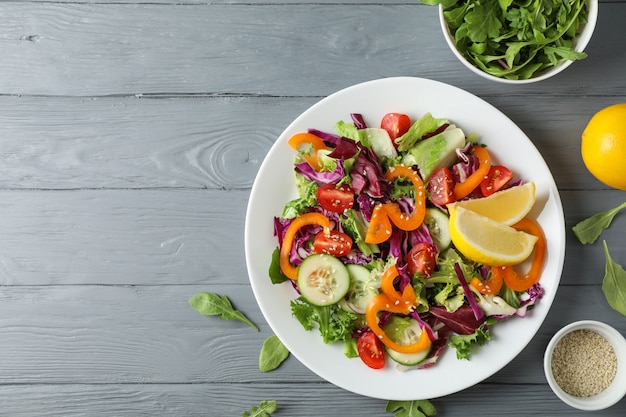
517	39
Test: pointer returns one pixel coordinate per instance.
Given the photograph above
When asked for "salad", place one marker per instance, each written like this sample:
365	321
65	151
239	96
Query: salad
368	249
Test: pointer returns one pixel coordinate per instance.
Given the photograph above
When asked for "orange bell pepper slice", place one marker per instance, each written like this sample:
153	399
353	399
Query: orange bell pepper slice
300	139
306	219
415	219
511	278
380	229
395	302
491	285
463	189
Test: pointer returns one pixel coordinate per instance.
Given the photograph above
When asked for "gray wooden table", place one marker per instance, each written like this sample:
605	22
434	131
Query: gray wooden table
131	133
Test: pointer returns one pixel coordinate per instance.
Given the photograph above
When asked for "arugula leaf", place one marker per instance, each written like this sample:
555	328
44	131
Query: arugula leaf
515	40
614	283
416	408
588	230
465	344
263	410
211	304
273	353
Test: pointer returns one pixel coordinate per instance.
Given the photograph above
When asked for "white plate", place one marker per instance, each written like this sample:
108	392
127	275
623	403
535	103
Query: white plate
274	186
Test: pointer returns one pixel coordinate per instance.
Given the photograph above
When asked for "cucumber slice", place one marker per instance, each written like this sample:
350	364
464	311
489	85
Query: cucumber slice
438	224
405	331
323	279
362	288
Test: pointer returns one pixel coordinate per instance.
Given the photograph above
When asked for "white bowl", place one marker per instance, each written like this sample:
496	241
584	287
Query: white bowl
615	391
580	43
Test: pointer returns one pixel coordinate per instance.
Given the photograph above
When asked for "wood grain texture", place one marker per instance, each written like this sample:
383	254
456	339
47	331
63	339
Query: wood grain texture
217	142
260	49
131	133
122	237
171	237
95	334
218	400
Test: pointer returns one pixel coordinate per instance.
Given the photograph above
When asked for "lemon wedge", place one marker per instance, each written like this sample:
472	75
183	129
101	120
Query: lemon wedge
507	206
487	241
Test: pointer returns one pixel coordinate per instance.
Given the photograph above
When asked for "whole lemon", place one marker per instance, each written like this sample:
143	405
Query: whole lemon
603	146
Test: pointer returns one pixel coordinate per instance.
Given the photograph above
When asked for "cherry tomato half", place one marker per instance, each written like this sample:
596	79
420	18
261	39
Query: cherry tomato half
336	243
396	124
335	199
422	259
441	187
371	350
497	178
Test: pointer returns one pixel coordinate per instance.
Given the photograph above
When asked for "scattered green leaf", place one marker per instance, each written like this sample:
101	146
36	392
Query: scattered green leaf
614	283
588	230
263	410
416	408
211	304
273	353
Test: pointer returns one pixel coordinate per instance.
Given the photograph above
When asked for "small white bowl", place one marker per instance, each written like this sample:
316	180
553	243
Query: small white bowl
580	43
615	391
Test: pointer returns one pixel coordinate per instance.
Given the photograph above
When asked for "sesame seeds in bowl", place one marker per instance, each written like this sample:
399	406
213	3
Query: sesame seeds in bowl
585	365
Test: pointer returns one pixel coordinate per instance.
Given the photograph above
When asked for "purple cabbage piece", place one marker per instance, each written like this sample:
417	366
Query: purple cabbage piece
301	246
280	226
344	149
365	205
322	177
425	326
326	137
367	174
358	120
462	321
478	313
356	257
466	167
533	295
438	346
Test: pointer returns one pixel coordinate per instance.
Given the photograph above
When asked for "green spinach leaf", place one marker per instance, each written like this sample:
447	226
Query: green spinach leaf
275	273
588	230
263	410
211	304
515	40
416	408
273	353
614	283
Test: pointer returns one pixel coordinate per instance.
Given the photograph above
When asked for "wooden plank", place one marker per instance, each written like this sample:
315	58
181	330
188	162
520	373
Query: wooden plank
130	142
122	237
170	237
99	334
215	142
217	400
98	236
260	49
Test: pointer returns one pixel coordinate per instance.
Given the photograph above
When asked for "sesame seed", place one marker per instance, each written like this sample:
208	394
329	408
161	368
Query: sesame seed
584	363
